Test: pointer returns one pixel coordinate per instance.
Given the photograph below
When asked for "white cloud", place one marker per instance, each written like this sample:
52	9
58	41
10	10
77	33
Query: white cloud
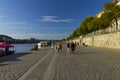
66	20
54	19
38	36
14	23
49	18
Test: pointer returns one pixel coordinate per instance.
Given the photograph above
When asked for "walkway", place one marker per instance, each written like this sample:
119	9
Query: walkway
88	63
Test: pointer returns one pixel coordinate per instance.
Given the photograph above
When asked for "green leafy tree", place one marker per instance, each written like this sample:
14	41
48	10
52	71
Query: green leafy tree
89	24
76	33
84	27
94	24
113	10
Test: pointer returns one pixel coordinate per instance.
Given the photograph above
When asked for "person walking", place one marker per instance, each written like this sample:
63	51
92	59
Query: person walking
73	47
59	48
68	47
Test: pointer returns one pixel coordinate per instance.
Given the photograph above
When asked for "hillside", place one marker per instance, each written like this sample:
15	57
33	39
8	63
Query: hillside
102	20
5	38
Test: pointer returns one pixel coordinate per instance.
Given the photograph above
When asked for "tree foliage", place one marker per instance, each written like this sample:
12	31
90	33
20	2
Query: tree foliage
84	27
111	12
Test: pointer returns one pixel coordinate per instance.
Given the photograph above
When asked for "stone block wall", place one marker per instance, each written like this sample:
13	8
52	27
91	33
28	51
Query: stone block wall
109	37
111	40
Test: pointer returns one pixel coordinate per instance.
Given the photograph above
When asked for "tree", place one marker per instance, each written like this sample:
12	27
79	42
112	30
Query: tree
76	33
84	27
114	10
95	24
90	24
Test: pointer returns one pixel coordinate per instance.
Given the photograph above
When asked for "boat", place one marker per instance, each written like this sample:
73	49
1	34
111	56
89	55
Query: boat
5	49
42	44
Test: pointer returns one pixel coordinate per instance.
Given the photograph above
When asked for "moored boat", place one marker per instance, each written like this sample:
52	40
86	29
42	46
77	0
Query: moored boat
5	49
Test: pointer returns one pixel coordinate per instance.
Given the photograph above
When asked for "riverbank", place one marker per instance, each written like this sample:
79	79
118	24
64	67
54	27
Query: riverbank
13	66
87	63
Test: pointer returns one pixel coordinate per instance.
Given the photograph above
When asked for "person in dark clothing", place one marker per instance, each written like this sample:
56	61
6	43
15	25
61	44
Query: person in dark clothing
72	47
6	48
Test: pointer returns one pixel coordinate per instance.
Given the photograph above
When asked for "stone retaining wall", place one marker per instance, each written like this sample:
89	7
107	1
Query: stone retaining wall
109	37
111	40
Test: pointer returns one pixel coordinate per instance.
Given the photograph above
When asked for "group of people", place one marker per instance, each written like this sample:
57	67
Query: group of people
57	46
70	46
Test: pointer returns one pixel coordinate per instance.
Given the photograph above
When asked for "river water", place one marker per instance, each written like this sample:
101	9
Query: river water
22	47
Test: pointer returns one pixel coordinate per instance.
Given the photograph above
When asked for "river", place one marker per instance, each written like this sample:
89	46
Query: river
22	47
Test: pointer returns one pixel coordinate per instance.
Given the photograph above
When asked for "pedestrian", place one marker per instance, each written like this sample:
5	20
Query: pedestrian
55	46
59	46
68	47
73	47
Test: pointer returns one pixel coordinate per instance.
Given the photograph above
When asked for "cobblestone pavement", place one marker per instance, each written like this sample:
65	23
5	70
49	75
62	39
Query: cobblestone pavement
40	70
13	66
87	63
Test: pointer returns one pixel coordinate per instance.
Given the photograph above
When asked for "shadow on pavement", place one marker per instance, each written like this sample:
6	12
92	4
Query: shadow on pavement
76	53
15	57
81	53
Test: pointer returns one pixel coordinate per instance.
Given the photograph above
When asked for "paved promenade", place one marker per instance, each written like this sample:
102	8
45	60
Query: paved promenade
88	63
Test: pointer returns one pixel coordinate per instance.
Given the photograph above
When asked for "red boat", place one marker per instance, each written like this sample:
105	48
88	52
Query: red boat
4	49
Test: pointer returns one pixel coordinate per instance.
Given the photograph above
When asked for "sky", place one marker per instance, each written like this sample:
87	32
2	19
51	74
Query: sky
45	19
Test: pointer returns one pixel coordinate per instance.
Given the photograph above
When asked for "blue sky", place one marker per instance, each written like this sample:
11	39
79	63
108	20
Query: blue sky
45	19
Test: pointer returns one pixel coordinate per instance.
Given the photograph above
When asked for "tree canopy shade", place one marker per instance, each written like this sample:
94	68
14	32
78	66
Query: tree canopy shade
111	12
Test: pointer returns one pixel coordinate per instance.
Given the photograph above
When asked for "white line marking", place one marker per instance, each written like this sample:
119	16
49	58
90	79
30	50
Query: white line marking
50	70
33	67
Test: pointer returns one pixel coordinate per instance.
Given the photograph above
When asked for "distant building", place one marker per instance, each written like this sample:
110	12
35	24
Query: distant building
32	39
99	14
118	4
117	0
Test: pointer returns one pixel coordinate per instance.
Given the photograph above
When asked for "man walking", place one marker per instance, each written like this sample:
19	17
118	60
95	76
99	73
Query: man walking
73	47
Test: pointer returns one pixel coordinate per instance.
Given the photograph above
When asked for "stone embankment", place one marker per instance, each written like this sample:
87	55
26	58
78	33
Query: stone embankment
14	66
109	40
